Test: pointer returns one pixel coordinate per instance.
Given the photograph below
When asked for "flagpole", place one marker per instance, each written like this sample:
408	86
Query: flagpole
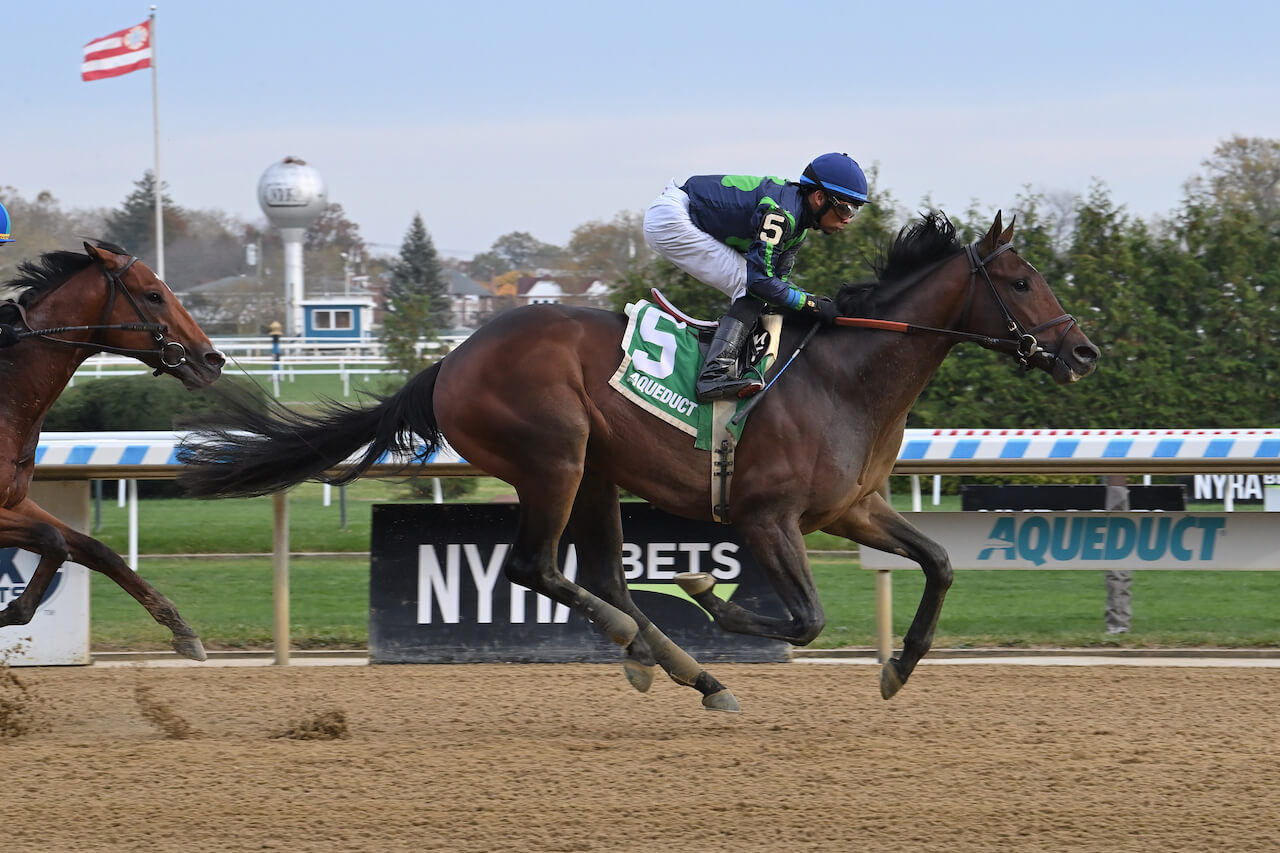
155	118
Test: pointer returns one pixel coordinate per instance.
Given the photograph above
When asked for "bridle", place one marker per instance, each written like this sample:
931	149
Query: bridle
1023	344
170	352
1026	347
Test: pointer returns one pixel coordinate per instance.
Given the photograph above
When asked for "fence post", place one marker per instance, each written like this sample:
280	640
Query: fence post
884	602
1119	610
280	574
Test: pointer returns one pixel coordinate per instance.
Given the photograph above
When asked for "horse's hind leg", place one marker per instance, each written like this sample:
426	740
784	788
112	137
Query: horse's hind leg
873	522
93	554
40	538
546	494
596	527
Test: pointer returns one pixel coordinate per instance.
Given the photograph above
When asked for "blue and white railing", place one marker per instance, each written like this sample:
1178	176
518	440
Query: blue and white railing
154	455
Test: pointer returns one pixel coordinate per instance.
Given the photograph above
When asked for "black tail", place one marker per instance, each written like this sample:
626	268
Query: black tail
249	452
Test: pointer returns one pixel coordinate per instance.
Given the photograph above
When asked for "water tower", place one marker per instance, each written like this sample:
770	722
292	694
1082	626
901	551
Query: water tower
293	196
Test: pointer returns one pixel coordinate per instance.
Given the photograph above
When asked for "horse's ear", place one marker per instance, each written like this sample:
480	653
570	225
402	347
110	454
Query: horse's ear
108	259
991	240
1006	236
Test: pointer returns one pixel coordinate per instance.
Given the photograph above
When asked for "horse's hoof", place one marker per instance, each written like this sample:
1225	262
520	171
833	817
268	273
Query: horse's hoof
695	583
189	647
721	700
890	680
639	675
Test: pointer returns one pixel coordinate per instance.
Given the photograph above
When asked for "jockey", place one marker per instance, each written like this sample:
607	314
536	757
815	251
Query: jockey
4	225
740	235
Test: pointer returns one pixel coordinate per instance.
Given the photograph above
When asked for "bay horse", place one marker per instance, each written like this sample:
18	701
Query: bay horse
62	308
527	399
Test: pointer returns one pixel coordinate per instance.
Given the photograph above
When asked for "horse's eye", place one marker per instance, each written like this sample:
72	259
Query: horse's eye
154	296
1021	285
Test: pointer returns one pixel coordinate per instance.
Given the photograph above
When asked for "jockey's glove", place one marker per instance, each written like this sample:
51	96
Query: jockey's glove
821	306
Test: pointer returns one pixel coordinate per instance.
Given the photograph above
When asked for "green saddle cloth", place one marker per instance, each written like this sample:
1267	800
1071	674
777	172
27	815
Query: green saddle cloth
660	365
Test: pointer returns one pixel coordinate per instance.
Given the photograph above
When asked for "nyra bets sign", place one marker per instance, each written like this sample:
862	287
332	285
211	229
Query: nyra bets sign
437	592
1096	540
59	631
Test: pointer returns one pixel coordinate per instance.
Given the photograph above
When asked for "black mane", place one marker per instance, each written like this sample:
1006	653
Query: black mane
39	276
918	247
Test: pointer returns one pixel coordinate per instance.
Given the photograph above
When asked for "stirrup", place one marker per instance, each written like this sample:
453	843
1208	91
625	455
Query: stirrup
738	387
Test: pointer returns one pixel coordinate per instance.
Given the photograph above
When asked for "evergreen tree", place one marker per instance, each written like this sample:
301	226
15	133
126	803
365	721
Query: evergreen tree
417	299
133	225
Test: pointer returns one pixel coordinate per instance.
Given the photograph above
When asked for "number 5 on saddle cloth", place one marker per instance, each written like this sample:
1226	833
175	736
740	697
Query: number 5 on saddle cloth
661	358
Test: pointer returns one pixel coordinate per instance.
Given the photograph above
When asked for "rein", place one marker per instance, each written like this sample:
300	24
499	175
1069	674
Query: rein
171	353
1023	344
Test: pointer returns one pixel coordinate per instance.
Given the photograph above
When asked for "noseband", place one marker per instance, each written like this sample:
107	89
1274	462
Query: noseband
171	353
1025	346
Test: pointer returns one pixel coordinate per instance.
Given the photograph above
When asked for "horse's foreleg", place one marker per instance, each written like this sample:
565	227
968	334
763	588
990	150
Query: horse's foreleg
596	527
92	554
874	523
779	548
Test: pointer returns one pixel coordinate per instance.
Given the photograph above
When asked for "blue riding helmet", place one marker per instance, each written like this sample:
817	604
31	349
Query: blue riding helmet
838	174
4	225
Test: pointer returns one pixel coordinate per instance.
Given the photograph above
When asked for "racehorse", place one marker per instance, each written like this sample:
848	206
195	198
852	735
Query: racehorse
62	308
527	399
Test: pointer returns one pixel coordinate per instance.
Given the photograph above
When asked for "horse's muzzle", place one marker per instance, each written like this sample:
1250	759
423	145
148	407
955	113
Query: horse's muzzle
1077	361
199	371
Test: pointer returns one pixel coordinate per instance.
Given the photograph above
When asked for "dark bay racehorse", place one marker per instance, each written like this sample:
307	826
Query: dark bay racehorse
527	399
63	308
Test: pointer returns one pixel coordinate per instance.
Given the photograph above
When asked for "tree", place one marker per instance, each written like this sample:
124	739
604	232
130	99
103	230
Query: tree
333	246
609	250
417	299
1243	174
41	226
518	250
133	225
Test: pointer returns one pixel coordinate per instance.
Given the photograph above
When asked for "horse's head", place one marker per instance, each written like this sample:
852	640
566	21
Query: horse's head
147	321
1010	300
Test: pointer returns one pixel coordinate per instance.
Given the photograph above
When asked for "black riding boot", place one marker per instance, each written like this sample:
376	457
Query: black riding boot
720	377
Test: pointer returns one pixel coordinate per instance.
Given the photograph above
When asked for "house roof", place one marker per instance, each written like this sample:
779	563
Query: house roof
461	284
563	285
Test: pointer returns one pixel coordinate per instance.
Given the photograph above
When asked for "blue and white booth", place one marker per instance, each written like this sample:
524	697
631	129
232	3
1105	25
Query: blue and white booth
343	318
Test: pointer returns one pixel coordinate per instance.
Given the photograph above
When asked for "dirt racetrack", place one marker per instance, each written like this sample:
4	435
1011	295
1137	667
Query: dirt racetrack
569	758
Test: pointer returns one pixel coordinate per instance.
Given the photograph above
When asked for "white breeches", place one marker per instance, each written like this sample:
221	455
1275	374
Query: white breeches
671	233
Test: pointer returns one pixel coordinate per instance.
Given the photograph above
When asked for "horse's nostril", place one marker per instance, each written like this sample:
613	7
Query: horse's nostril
1086	354
213	358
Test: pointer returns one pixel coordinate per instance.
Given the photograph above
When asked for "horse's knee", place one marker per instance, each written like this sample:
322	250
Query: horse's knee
942	575
936	565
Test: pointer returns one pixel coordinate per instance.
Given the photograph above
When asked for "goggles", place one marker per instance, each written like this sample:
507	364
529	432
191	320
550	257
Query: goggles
844	209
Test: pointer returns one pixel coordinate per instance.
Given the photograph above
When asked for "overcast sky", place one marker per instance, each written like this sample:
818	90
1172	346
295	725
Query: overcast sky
491	117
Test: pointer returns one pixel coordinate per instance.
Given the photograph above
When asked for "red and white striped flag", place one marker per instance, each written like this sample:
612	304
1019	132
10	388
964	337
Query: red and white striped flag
118	53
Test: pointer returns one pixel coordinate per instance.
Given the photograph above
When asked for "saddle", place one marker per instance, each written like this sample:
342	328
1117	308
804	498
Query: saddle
757	346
